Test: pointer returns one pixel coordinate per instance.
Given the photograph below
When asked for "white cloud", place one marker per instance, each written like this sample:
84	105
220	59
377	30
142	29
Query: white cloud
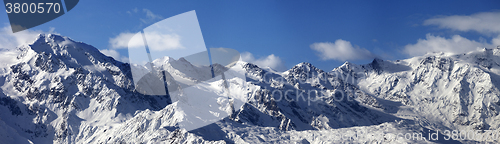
150	17
341	50
122	40
485	22
496	41
156	41
271	61
455	44
115	55
161	41
9	40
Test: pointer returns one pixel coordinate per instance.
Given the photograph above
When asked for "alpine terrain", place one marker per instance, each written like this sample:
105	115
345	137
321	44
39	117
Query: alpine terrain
57	90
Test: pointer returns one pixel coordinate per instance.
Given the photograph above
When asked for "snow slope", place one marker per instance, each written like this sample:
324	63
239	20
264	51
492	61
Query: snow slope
57	90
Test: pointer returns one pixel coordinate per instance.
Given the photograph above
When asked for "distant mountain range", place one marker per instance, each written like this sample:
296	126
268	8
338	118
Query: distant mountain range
57	90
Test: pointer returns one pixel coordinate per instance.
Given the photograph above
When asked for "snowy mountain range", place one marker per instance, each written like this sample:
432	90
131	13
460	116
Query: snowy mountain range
57	90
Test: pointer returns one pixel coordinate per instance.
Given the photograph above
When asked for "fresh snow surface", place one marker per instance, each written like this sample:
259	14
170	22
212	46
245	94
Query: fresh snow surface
57	90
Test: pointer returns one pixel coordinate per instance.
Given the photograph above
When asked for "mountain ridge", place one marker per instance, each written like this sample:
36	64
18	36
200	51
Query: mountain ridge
61	91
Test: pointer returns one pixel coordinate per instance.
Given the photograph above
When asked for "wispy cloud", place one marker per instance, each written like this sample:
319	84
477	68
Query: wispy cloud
341	50
484	22
9	40
135	10
150	16
156	41
271	61
455	44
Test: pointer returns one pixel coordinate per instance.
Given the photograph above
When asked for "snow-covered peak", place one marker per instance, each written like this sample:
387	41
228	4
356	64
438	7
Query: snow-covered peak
183	70
59	50
165	59
58	43
347	67
62	91
304	64
304	67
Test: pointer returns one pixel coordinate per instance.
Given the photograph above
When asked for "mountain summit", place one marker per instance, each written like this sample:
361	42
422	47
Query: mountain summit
57	90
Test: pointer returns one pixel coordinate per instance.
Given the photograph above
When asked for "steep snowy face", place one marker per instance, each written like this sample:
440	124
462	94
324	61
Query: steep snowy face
58	89
62	91
183	73
439	91
444	91
307	98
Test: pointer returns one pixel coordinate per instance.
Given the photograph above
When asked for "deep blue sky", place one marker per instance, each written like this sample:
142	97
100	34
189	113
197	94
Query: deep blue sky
283	28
